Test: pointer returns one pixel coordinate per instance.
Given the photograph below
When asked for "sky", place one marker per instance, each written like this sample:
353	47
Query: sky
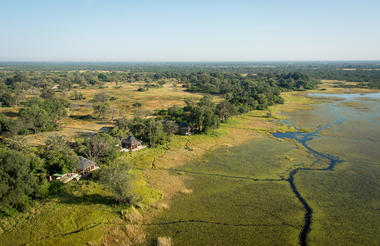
189	30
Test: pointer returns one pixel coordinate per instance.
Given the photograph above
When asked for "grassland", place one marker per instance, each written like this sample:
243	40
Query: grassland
80	120
221	209
194	185
209	214
84	213
215	215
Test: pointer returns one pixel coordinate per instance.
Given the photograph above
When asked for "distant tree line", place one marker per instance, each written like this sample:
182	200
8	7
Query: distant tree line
356	71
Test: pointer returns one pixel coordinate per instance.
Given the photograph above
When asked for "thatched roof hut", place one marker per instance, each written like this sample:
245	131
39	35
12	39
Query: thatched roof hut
86	166
130	142
184	129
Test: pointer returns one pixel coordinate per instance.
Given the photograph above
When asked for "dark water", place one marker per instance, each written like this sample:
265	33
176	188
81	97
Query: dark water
304	137
270	192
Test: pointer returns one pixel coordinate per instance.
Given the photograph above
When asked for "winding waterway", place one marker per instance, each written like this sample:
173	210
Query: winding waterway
304	137
266	192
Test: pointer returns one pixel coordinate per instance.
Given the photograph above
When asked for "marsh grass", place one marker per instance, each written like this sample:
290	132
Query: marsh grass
272	211
77	208
214	214
132	216
227	210
263	158
87	207
164	241
345	201
344	206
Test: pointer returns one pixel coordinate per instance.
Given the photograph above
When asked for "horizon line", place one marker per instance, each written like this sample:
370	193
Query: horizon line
193	61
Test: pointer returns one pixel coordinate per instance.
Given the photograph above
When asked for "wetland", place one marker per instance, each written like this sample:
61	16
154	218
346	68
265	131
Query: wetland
314	185
265	161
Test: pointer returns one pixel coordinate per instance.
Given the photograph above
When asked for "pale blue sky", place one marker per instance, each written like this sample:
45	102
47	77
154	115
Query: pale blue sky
189	30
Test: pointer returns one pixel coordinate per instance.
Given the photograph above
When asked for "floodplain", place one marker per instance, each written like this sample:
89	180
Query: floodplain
244	195
232	186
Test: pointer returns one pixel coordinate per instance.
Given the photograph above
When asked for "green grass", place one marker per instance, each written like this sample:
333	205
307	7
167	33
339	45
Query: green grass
345	206
264	158
263	212
241	211
345	201
230	210
79	205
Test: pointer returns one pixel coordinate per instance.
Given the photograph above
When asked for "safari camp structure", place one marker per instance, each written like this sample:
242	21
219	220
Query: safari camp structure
131	144
65	178
184	129
85	167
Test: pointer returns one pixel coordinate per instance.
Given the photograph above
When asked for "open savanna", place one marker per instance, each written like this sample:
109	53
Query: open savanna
126	95
81	122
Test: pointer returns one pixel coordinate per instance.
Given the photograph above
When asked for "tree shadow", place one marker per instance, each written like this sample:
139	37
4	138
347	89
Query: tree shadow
10	114
69	198
87	134
103	123
82	117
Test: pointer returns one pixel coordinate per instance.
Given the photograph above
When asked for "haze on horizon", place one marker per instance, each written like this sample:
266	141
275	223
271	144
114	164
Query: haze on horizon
208	30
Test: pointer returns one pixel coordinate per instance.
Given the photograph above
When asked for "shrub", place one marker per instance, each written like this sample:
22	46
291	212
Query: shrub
101	147
18	182
101	97
55	187
59	157
121	182
78	96
137	104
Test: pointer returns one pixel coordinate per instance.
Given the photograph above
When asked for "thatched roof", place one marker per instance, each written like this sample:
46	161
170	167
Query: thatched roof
183	125
130	141
85	163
